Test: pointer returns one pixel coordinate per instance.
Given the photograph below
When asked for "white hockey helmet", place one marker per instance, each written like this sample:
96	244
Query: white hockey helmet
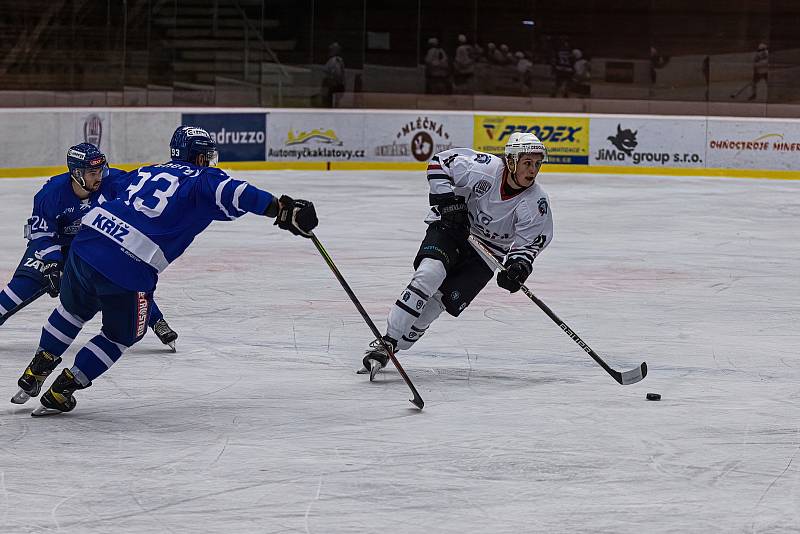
522	143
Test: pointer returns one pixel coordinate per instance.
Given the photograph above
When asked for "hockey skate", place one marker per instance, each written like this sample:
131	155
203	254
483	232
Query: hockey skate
376	357
166	334
30	383
59	398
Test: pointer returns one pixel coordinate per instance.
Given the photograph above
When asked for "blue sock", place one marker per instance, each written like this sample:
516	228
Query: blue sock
97	356
20	288
60	331
155	314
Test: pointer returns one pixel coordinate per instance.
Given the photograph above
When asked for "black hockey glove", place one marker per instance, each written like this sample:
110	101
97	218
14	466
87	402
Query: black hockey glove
298	216
454	216
514	275
52	278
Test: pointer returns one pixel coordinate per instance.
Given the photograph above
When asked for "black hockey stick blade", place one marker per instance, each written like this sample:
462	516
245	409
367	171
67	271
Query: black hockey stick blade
39	293
624	378
417	399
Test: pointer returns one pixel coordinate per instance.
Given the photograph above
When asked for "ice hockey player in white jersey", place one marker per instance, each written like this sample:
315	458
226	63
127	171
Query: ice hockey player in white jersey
499	202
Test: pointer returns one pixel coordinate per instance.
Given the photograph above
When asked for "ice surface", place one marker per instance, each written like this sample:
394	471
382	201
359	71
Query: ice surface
259	423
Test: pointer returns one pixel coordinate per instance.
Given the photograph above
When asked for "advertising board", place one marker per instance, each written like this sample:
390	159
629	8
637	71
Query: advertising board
647	141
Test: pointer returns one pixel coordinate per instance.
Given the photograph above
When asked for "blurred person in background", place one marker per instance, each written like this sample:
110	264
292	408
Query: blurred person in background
581	79
760	71
437	69
524	69
333	75
562	68
657	61
463	67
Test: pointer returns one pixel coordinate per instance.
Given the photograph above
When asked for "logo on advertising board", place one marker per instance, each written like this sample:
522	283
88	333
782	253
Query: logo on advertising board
239	136
566	138
315	143
772	142
93	130
419	138
623	146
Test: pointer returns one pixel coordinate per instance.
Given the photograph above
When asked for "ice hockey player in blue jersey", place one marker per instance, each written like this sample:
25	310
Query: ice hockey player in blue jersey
57	211
114	262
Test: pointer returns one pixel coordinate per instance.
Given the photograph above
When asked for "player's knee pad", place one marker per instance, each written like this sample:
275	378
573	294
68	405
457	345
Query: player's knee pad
430	312
426	281
429	276
409	307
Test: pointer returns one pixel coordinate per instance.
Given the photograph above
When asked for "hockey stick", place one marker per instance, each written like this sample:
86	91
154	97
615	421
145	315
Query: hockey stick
417	400
625	377
4	318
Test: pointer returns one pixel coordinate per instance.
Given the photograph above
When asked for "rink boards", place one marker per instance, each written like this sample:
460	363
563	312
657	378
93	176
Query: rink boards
34	140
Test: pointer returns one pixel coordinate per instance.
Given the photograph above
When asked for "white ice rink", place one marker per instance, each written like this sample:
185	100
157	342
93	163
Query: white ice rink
259	423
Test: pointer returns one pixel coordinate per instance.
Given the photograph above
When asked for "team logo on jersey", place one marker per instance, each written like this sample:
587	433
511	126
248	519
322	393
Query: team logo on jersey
481	188
483	158
625	140
406	296
543	206
93	130
455	295
484	218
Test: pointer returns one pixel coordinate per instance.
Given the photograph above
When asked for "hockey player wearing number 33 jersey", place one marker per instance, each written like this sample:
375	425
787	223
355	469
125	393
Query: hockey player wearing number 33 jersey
497	201
114	262
56	218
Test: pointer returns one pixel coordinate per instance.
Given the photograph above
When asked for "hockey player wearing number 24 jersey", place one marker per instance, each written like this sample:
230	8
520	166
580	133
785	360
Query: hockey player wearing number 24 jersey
57	211
115	260
497	201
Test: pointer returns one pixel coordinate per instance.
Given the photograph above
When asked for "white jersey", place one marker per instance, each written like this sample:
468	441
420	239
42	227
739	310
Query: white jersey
520	226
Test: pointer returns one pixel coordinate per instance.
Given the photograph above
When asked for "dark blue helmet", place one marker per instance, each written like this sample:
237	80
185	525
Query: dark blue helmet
83	157
189	141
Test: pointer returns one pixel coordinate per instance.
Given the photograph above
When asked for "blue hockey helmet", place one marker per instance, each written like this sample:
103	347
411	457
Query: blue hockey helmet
83	157
189	141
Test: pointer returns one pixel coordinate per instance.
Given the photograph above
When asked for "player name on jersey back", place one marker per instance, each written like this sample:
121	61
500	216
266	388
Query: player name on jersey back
127	236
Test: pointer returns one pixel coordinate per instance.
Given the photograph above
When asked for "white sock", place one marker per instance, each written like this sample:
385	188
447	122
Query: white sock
408	309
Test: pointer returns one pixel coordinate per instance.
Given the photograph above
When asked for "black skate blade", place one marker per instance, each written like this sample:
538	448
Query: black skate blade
42	411
172	346
20	398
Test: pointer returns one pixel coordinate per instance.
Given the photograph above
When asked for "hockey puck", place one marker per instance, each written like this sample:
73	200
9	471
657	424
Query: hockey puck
654	396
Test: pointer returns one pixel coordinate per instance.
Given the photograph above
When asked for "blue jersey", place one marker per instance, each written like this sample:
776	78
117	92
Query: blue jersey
57	212
132	239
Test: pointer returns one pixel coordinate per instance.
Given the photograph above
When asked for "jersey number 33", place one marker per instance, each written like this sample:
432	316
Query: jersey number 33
151	193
